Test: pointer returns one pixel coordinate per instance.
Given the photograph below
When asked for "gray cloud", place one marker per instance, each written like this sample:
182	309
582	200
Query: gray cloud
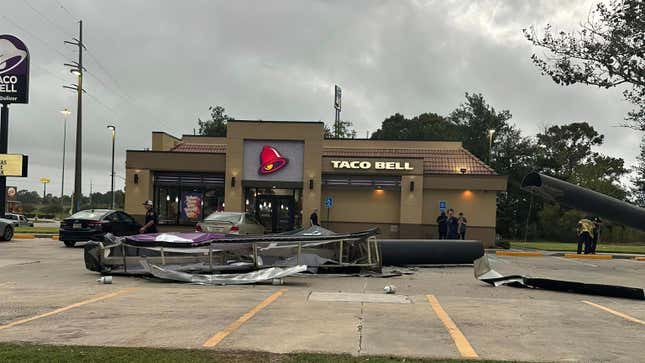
168	61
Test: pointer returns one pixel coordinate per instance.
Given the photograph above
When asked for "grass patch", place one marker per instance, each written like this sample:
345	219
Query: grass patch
563	246
37	230
10	352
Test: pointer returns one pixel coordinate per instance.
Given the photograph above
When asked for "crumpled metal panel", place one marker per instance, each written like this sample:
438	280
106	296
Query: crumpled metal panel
484	272
253	277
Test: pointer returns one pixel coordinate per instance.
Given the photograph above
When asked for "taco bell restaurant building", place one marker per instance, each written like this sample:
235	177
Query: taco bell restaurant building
279	172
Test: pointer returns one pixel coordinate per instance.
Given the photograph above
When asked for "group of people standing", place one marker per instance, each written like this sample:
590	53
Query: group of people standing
588	230
451	227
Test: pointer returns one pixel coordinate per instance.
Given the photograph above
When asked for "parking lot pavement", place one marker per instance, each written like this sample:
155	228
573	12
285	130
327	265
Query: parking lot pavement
47	296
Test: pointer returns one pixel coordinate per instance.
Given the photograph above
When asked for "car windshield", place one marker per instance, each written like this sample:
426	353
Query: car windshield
225	217
89	214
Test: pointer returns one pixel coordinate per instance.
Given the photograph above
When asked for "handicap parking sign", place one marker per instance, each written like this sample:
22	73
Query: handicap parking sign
442	204
329	201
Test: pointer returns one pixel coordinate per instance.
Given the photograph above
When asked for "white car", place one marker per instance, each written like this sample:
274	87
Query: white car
19	220
230	223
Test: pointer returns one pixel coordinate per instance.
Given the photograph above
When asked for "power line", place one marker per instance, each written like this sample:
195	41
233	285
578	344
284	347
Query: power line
65	32
37	38
67	11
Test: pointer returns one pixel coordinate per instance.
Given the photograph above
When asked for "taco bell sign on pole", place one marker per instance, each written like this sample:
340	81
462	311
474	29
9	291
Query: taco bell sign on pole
14	70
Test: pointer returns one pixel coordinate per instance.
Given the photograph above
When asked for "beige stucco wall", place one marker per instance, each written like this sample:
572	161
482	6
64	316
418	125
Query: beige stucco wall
162	141
411	202
136	194
478	206
176	161
362	205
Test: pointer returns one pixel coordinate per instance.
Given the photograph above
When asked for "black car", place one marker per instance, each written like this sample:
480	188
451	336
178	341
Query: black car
93	224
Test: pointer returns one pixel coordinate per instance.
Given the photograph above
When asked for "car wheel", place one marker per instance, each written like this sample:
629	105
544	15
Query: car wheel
8	234
69	243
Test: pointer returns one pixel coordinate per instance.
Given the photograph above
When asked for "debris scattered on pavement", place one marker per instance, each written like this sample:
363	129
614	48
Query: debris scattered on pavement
484	272
389	289
105	279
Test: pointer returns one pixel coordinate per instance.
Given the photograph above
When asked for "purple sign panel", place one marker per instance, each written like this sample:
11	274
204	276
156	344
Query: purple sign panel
14	70
191	206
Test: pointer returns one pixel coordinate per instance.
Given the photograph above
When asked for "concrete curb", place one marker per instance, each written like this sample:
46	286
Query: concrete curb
35	235
536	253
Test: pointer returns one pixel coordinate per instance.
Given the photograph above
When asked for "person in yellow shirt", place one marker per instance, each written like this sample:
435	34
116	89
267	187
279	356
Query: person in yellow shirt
585	230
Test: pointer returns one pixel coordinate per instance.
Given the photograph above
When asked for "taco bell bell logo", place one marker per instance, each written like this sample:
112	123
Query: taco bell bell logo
14	70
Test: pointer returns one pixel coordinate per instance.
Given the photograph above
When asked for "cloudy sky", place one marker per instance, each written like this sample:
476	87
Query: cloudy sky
158	65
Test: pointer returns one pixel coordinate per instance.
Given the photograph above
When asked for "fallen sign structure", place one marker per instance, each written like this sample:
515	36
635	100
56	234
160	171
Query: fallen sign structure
485	273
315	247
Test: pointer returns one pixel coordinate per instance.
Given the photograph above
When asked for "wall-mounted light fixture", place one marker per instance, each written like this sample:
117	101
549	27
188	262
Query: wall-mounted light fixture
311	183
136	178
232	182
463	170
411	186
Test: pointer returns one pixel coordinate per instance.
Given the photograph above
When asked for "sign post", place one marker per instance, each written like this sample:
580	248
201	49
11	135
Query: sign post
337	102
329	201
14	88
45	181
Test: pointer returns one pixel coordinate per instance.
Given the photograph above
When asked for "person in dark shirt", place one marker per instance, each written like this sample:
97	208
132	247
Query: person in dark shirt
313	218
442	223
151	220
453	225
463	222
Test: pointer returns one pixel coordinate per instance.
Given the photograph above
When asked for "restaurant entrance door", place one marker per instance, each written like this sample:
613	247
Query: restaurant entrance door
279	210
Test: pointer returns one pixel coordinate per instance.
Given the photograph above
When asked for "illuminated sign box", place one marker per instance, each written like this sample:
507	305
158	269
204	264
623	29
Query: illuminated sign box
366	165
13	165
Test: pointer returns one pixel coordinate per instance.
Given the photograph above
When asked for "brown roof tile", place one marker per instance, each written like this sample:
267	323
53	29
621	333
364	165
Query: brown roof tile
200	148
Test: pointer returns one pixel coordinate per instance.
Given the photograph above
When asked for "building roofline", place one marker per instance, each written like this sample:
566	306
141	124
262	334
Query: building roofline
280	121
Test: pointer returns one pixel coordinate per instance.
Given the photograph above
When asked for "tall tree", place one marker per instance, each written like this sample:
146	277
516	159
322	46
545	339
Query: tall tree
561	149
216	126
345	131
426	126
608	51
638	192
475	119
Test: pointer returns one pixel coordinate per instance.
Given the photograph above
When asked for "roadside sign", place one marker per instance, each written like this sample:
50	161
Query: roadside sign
337	97
14	70
44	180
329	201
442	205
13	165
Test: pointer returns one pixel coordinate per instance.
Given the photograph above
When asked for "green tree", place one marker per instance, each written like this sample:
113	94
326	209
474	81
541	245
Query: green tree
345	131
426	126
638	191
607	51
216	126
561	149
474	120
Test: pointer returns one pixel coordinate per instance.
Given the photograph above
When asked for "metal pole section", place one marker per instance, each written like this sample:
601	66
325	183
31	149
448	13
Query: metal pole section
79	125
337	123
62	178
4	141
112	184
44	190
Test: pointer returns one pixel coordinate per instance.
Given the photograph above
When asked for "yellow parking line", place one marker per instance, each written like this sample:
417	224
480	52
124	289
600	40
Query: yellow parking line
68	307
464	347
23	236
617	313
590	257
519	253
217	338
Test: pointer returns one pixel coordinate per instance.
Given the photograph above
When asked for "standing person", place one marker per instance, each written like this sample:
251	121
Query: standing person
442	223
151	221
596	234
313	218
462	226
585	229
453	225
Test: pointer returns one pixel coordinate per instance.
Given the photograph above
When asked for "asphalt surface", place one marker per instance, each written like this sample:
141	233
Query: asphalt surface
47	296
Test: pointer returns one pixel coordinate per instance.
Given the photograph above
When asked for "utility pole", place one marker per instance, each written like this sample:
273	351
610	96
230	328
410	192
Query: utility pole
337	106
113	128
4	142
77	69
65	113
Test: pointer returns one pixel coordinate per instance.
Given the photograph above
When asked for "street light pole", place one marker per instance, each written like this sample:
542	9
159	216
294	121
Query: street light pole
65	113
113	128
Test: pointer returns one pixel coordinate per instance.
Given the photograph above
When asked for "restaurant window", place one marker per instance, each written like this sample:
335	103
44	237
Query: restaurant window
187	198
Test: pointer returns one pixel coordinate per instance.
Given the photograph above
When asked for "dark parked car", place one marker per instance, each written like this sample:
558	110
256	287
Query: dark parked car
93	224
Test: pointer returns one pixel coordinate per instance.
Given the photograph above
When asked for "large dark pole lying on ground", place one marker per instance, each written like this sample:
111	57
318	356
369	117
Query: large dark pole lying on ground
405	252
586	200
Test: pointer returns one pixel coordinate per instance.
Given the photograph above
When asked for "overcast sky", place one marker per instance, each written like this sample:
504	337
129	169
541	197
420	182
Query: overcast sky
158	65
